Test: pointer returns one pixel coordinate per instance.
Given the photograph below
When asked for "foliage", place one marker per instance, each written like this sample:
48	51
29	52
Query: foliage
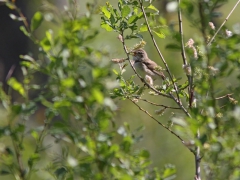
77	138
208	125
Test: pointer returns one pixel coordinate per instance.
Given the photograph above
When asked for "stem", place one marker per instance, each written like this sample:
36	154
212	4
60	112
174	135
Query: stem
209	43
169	107
197	160
19	160
146	112
190	80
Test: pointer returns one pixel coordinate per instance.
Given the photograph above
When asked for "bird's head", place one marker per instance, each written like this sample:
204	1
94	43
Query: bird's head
139	54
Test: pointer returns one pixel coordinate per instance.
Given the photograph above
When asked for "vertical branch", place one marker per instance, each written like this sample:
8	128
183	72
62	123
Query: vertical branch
197	160
19	159
181	33
189	76
190	90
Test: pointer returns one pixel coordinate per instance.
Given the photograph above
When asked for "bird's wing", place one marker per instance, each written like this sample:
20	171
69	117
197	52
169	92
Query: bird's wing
152	65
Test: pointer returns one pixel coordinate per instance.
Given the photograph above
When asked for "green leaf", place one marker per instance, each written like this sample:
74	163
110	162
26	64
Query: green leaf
152	7
24	30
12	82
98	96
106	27
35	134
106	12
115	72
36	20
161	35
143	28
46	44
62	103
132	19
69	82
125	11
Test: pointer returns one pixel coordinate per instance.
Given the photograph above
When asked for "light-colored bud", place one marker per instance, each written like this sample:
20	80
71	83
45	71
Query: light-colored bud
219	115
232	100
135	100
187	69
211	25
118	60
141	44
120	37
190	43
228	33
149	80
195	53
213	70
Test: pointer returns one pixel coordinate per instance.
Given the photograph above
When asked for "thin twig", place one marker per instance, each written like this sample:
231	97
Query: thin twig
198	159
176	135
155	104
181	33
146	112
209	43
227	95
159	52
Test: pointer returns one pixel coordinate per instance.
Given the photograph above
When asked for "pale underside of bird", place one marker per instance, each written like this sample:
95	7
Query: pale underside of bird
145	66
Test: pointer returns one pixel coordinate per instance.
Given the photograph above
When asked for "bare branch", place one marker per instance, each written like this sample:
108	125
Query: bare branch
209	43
227	95
155	104
157	121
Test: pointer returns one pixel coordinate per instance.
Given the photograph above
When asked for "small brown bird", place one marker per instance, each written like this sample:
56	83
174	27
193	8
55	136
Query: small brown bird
144	65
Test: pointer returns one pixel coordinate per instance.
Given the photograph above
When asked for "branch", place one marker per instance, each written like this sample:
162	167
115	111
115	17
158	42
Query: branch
157	121
181	33
190	80
227	95
157	104
209	43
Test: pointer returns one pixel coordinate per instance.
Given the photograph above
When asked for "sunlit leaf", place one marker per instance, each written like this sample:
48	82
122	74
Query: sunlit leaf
125	11
152	7
36	20
106	27
160	34
24	30
12	82
69	82
143	28
106	12
132	19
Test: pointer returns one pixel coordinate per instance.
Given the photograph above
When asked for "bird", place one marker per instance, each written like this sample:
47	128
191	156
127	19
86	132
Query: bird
145	66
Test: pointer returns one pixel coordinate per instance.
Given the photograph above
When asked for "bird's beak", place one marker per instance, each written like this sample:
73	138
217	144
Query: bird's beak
132	53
